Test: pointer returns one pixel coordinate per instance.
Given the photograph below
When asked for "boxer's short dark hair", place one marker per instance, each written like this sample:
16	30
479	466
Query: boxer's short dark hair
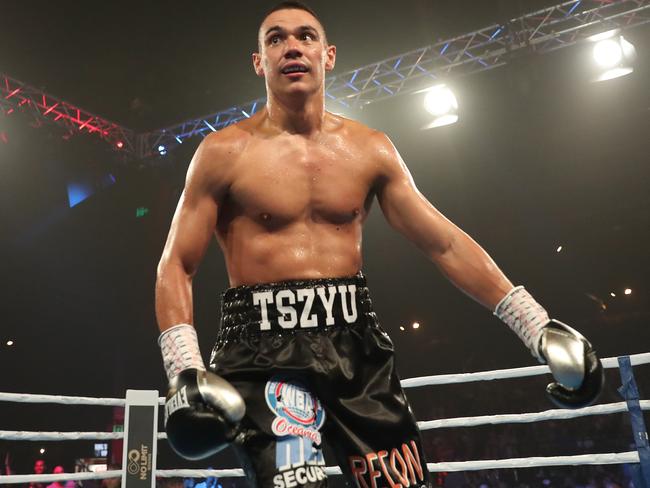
293	5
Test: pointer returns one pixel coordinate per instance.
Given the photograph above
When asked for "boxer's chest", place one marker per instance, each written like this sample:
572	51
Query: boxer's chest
290	178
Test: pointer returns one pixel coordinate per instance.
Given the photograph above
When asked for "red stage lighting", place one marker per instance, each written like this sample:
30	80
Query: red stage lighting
119	144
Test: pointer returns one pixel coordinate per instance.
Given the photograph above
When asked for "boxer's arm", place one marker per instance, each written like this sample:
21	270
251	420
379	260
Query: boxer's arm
577	371
191	230
456	254
202	410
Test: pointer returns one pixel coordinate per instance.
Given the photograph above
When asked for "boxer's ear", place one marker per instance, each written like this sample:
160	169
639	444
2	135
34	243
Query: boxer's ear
330	60
257	65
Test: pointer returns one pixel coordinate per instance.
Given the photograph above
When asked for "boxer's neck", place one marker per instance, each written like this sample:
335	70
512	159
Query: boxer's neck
297	114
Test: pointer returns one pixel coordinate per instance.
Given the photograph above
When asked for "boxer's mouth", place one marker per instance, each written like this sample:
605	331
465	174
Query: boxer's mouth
294	68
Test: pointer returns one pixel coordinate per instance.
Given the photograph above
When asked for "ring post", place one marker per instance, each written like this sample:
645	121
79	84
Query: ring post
140	434
630	393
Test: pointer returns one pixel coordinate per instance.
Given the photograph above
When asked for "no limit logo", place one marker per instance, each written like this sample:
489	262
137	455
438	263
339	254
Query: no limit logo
139	462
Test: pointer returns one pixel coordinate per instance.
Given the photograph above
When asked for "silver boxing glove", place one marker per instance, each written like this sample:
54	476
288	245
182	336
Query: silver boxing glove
578	373
202	413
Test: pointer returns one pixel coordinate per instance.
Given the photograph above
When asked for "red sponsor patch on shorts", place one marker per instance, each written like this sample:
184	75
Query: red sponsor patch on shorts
399	467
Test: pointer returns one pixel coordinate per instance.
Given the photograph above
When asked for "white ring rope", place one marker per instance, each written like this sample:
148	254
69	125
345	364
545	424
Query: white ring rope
533	462
19	435
65	400
510	418
520	418
530	462
499	374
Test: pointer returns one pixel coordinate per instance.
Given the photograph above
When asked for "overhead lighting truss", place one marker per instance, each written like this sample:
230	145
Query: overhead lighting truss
541	31
17	96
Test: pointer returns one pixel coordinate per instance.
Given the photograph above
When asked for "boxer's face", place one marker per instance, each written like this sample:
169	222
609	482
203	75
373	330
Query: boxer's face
293	37
39	466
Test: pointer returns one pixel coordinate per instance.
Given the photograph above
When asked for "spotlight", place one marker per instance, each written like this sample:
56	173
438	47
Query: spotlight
10	343
416	325
607	53
559	249
119	144
441	102
42	451
628	291
401	327
162	150
613	55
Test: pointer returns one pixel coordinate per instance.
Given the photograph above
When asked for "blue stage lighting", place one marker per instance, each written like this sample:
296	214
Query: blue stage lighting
162	150
78	192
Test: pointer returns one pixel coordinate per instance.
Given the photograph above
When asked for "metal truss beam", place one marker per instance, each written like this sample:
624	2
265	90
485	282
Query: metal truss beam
541	31
18	96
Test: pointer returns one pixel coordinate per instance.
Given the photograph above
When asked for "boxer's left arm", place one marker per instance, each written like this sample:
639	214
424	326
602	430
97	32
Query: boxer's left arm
455	253
573	362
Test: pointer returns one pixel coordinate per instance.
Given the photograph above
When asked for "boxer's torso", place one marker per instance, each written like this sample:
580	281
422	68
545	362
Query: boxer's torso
294	205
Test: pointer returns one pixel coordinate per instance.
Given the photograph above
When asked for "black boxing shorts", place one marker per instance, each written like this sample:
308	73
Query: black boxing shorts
312	363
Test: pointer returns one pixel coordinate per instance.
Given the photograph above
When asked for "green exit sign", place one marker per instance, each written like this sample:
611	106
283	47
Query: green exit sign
141	211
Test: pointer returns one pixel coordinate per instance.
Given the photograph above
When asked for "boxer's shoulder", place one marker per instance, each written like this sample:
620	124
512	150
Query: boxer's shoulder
380	153
229	142
211	170
353	129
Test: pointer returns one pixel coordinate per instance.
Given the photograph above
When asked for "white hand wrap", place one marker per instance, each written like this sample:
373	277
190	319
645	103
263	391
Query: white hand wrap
180	350
527	318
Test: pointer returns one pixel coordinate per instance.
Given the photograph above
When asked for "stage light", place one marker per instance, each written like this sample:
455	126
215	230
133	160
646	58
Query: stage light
119	144
613	55
628	291
162	150
441	102
608	53
10	343
42	451
416	325
612	294
559	249
401	327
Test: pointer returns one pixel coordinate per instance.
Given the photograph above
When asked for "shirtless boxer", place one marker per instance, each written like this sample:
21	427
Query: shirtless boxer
300	355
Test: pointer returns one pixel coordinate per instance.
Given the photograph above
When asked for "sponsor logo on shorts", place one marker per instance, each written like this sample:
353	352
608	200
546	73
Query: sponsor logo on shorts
298	412
289	317
396	468
298	462
299	416
299	476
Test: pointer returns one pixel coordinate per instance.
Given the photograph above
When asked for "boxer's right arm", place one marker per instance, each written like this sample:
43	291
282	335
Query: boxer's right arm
202	410
192	227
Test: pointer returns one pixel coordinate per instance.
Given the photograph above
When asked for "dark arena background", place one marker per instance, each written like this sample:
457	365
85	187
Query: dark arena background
546	168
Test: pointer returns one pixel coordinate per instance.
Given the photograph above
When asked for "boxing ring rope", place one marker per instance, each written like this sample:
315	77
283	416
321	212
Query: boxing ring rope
555	414
501	374
509	418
